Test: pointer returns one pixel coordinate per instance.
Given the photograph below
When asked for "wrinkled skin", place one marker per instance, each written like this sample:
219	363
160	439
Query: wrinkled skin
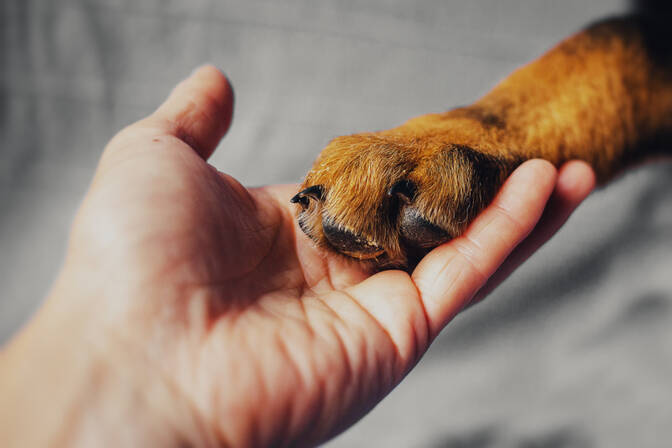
192	310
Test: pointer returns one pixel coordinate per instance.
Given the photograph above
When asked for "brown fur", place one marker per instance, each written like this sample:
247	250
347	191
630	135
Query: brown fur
600	96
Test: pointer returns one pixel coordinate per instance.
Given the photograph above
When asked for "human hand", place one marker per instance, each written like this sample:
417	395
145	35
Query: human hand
190	309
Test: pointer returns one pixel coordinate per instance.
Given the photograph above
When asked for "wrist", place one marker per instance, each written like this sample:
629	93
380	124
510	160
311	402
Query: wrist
65	379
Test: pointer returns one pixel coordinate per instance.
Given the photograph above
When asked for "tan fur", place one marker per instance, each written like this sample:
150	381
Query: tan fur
598	96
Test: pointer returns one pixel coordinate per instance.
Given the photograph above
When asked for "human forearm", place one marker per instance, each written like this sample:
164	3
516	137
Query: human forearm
65	381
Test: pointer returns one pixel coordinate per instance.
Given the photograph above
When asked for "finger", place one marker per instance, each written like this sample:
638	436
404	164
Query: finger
393	301
451	274
576	180
199	110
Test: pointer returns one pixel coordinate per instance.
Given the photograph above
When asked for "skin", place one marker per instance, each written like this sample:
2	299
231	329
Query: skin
193	311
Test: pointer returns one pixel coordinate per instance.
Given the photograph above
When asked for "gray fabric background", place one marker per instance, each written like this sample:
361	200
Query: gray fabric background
575	350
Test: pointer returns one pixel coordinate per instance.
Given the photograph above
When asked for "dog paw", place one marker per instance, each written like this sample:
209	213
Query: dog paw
390	197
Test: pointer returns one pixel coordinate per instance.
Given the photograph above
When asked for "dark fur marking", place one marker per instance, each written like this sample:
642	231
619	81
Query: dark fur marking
654	21
487	118
488	175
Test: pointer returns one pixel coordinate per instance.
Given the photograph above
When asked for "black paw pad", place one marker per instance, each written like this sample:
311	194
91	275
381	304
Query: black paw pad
348	243
418	232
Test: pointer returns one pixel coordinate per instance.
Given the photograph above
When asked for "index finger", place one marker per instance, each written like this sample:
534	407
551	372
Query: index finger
451	274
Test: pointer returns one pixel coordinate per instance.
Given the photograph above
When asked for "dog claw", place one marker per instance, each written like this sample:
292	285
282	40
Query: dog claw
303	197
404	190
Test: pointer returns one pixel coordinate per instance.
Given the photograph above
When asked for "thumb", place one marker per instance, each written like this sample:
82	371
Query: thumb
199	110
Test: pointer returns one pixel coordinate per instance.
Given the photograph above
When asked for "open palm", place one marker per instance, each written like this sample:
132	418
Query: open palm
259	337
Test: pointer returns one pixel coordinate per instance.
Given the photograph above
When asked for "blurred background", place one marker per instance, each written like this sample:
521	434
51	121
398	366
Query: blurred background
574	350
